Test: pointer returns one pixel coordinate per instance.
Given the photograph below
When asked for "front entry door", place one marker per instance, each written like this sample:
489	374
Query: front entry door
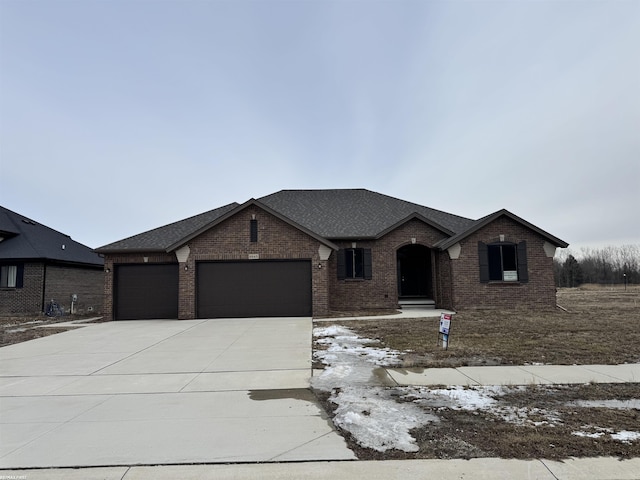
414	271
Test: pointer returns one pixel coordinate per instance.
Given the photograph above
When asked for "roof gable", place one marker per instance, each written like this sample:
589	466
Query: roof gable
242	207
26	239
478	224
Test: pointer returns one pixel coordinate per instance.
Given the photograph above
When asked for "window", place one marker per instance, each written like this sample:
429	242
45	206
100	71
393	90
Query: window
503	262
354	263
253	230
11	276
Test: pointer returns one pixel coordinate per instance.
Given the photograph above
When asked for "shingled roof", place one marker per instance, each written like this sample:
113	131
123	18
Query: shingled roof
25	239
162	238
356	213
329	214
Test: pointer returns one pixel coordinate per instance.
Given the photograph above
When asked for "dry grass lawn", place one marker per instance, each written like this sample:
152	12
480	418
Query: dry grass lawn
601	326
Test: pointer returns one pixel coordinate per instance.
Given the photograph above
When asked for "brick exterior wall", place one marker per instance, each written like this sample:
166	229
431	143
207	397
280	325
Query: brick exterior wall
381	292
28	299
230	241
468	292
61	282
86	283
456	283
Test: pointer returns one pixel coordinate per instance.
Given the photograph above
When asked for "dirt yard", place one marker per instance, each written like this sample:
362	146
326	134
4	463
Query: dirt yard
601	325
20	329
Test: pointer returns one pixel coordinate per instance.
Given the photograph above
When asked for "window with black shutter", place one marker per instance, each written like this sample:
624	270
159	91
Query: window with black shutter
355	263
11	276
503	262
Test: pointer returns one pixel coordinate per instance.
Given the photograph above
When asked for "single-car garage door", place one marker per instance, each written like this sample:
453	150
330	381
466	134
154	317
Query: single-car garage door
146	291
254	289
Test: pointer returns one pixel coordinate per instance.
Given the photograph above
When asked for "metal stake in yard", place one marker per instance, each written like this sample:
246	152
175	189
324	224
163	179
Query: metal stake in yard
445	328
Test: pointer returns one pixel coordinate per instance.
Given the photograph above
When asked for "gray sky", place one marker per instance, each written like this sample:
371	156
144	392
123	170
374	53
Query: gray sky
121	116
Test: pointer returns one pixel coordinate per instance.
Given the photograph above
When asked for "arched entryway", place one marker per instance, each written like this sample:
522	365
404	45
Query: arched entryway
415	274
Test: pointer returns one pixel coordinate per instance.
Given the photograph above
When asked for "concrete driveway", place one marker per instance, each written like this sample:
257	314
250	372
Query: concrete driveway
164	392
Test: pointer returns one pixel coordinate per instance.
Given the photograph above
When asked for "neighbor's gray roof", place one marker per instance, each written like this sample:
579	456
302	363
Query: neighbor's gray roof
162	238
355	213
26	239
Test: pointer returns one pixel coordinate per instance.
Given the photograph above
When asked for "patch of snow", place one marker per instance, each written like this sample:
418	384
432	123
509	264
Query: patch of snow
626	436
349	359
484	399
370	413
475	398
616	404
376	420
589	435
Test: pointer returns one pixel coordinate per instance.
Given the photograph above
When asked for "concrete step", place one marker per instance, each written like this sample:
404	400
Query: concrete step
417	303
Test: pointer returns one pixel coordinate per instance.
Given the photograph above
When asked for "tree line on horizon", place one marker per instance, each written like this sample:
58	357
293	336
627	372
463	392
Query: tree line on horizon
604	266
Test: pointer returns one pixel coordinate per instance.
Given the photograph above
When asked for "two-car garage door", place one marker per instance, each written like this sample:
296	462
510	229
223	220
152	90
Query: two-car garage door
254	289
223	289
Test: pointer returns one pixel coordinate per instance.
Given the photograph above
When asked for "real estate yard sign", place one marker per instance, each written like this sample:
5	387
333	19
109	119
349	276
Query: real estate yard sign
445	327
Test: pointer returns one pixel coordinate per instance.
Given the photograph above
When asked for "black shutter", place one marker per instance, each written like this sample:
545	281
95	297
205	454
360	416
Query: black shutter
523	270
342	268
483	260
368	269
20	275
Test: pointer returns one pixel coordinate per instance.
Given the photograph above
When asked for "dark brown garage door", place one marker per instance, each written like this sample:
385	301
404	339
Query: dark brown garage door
254	289
146	291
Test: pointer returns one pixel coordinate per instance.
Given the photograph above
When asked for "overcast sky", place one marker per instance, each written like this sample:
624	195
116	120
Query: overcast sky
121	116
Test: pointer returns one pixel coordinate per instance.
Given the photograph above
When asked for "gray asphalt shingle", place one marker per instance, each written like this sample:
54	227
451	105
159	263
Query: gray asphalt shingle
354	213
161	238
26	239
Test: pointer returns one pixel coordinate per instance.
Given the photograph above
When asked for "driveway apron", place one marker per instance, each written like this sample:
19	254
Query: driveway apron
164	392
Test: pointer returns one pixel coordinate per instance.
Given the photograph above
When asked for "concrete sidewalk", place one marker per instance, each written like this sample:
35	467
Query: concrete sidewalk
517	375
481	469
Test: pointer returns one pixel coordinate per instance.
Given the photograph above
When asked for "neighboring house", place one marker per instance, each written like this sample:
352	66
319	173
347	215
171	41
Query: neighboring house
310	252
39	264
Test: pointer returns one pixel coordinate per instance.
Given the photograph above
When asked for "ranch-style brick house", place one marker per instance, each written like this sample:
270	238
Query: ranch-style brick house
311	252
38	264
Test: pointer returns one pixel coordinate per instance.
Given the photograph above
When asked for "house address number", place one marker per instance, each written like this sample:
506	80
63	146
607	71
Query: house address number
254	256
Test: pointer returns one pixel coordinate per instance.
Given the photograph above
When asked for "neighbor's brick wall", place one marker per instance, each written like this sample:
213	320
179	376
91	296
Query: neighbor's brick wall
468	292
381	292
28	299
86	283
112	260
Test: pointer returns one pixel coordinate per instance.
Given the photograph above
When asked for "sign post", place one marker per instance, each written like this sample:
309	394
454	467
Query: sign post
443	331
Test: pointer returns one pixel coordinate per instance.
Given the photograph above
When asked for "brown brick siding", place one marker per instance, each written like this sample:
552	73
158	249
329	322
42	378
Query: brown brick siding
230	241
456	283
276	240
25	300
468	292
381	292
61	282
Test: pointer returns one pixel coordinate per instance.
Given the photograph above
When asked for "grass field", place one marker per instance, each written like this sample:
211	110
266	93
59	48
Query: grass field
601	325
